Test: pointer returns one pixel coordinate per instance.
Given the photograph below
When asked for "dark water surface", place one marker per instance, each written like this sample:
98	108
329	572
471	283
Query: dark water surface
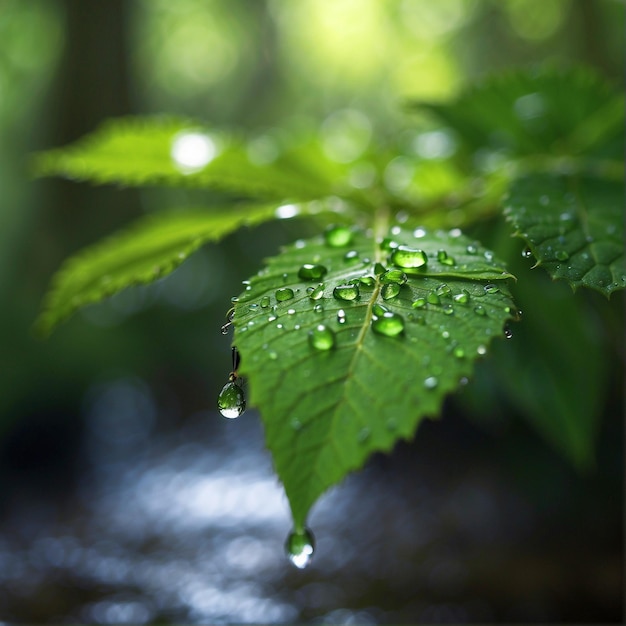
188	526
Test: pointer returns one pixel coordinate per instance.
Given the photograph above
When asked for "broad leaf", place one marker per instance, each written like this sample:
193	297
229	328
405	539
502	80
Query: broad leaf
147	250
330	398
574	226
165	151
535	112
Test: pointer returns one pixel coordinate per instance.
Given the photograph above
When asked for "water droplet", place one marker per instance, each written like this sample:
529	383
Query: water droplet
461	298
488	255
364	434
480	310
322	338
284	294
418	233
291	311
491	288
508	333
458	352
448	309
403	256
315	293
300	546
431	382
388	244
394	276
225	328
471	249
443	290
526	253
367	281
351	257
318	308
379	269
285	277
309	271
338	236
295	423
341	316
272	354
444	259
482	350
562	255
231	401
346	292
433	298
265	302
390	291
388	324
420	303
379	310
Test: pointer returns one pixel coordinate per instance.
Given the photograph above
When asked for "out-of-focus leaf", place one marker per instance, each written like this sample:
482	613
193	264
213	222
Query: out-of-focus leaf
574	226
147	250
165	151
562	112
346	363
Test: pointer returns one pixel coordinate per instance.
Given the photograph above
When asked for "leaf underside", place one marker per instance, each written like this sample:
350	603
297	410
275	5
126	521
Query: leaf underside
574	226
325	412
147	250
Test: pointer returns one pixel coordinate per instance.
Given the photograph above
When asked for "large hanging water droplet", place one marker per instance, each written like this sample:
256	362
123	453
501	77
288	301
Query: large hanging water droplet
388	324
300	546
310	271
403	256
337	236
322	338
389	291
394	276
346	292
231	401
283	294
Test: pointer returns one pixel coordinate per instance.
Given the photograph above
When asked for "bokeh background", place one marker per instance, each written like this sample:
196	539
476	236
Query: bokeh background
124	497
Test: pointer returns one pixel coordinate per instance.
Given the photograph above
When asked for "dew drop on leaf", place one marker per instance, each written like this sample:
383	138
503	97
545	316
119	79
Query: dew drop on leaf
394	276
388	244
379	269
351	257
444	259
300	546
490	288
318	308
315	293
388	324
433	298
265	302
322	338
420	303
480	310
448	309
443	290
461	298
390	290
508	333
341	316
403	256
561	255
367	281
526	253
310	271
458	352
431	382
471	249
337	236
283	294
346	292
231	401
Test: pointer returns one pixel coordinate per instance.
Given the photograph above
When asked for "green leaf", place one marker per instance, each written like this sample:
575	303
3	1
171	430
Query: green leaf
166	151
574	226
149	249
327	410
547	110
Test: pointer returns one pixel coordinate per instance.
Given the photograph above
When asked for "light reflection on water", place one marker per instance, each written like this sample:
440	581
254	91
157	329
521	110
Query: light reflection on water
190	527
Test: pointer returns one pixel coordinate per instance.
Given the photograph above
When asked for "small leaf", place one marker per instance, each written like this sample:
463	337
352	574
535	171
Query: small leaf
147	250
530	112
574	226
347	352
166	151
